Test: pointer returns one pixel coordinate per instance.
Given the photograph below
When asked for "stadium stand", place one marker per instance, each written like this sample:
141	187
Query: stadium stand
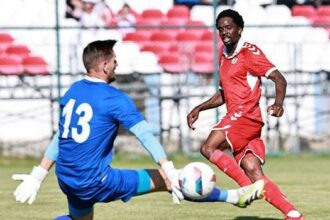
155	48
323	10
307	11
17	59
155	15
324	22
126	53
294	40
203	63
189	37
208	36
173	26
196	27
35	65
173	63
277	14
10	65
5	41
146	63
138	37
179	13
163	37
21	51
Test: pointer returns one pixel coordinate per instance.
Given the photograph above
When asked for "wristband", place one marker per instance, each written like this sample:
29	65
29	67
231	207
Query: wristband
39	173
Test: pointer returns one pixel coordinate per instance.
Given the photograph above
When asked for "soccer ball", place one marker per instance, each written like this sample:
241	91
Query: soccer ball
197	180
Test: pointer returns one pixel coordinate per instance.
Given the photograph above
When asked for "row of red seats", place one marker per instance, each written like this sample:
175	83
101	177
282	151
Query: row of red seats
178	52
164	36
310	11
178	14
181	44
319	16
17	59
199	63
183	49
31	65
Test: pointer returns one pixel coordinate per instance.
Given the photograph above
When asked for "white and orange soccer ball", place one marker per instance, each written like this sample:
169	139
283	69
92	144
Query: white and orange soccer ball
197	180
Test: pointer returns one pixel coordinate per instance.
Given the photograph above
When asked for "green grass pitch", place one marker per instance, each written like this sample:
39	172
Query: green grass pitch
305	179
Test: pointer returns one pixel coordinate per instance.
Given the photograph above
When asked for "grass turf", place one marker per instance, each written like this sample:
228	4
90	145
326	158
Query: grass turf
303	178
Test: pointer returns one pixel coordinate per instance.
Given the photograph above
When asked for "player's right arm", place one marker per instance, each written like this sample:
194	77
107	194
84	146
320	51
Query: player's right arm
30	185
276	109
143	133
215	101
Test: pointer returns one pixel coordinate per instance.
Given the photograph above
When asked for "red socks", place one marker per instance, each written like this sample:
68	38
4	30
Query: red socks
229	166
275	197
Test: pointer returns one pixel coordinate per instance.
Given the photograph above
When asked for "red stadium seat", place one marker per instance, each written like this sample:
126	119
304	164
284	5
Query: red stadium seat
188	37
323	10
323	21
35	65
307	11
180	12
196	27
10	65
147	22
162	37
148	26
177	20
173	63
154	14
204	48
5	41
174	48
138	37
187	42
157	49
21	51
171	27
209	36
203	63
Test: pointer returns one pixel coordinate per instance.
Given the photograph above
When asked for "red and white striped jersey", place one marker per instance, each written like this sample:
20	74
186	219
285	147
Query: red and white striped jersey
240	78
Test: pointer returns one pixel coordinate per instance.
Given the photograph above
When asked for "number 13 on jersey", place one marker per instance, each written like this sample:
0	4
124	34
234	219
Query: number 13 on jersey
85	113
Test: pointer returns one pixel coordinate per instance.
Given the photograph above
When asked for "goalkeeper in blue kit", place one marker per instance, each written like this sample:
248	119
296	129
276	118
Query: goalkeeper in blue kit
91	112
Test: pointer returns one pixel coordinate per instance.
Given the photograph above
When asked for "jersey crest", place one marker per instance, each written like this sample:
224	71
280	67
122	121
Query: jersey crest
234	60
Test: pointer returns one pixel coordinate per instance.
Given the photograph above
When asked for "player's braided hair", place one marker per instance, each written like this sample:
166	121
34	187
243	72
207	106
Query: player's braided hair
237	18
97	50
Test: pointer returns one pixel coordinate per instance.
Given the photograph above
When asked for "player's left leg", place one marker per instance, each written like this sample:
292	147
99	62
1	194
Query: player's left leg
213	148
251	163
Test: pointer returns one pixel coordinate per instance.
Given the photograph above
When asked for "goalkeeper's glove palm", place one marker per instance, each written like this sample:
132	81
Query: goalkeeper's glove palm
28	189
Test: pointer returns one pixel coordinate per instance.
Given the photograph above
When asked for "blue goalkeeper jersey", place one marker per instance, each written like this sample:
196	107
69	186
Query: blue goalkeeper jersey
91	112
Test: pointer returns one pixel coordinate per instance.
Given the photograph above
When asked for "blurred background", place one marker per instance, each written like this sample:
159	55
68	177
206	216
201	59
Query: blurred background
168	62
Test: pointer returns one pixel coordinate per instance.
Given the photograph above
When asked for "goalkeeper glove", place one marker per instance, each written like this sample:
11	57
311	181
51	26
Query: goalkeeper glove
173	176
28	189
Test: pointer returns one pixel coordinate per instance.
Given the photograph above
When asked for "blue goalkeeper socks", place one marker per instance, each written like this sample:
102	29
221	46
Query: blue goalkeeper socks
217	195
63	217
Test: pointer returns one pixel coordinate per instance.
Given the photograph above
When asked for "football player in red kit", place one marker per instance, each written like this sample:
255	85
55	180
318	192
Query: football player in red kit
241	67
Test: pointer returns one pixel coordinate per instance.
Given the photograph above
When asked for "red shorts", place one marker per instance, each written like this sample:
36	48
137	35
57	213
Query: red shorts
243	135
256	147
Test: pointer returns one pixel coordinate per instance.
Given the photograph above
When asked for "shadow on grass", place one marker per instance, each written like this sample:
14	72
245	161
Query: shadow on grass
254	218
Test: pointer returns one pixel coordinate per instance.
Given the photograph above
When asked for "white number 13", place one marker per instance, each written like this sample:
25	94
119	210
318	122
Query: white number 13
82	121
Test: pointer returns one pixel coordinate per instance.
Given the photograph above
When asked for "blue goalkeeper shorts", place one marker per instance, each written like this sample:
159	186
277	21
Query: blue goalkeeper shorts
120	184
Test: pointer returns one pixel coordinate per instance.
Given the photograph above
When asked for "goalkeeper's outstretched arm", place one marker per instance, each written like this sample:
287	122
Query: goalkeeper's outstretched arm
30	185
143	133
